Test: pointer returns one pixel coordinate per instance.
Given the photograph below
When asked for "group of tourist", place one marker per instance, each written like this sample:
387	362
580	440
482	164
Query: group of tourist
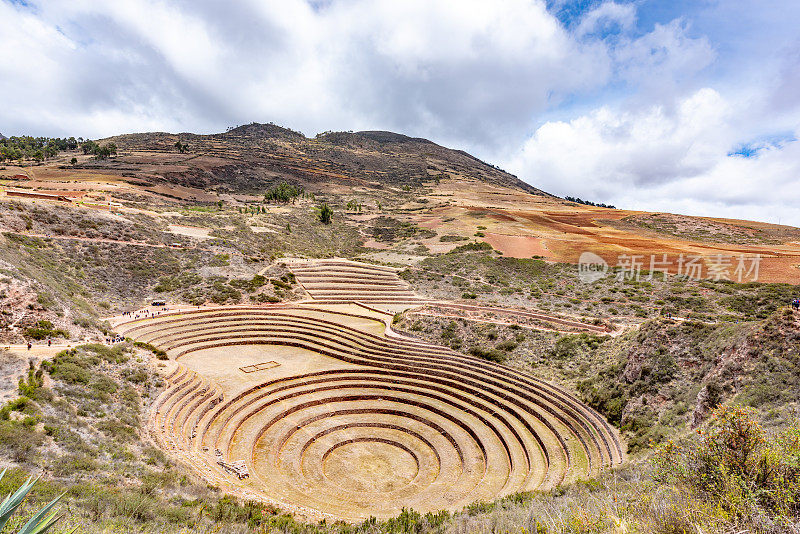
796	304
142	314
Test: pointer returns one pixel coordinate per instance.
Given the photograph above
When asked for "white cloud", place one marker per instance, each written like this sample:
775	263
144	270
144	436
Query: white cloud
666	159
663	58
463	70
634	113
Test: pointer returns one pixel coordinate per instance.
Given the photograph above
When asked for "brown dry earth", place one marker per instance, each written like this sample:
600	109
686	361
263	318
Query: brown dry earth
517	223
522	225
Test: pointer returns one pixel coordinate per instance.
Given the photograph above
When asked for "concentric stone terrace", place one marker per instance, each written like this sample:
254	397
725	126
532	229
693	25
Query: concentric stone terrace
333	415
343	280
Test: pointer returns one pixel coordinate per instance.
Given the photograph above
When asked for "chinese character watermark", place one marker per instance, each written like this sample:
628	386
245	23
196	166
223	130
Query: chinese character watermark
737	268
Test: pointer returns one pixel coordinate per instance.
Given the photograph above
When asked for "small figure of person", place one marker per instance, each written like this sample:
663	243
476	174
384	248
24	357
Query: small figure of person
29	345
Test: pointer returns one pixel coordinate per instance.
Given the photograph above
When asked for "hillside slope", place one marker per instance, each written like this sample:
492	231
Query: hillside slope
250	157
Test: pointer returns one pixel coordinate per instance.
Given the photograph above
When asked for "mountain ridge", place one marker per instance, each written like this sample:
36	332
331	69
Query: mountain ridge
372	155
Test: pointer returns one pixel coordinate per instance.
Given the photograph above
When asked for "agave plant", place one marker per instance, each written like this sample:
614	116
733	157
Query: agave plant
40	522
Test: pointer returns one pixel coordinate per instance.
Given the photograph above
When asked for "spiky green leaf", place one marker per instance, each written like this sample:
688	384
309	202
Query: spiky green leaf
12	501
43	520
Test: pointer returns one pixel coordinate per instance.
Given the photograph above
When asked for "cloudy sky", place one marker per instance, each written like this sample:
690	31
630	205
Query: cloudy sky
688	106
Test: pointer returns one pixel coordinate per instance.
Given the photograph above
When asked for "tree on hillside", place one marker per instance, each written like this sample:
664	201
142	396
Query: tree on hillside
90	147
325	213
74	161
105	151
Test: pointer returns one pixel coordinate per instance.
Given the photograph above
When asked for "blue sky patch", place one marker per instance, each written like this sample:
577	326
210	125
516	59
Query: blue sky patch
754	147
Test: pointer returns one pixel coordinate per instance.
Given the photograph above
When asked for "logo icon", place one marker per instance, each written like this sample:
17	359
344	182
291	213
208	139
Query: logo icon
591	267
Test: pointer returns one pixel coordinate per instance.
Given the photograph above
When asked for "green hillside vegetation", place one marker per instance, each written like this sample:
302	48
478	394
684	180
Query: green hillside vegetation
34	148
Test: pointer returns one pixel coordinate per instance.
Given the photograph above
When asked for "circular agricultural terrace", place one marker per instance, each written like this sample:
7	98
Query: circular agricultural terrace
322	409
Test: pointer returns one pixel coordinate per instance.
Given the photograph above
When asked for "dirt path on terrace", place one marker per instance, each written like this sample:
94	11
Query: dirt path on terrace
106	240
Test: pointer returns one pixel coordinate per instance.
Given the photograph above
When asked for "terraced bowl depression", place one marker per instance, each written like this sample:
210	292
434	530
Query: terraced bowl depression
323	410
343	280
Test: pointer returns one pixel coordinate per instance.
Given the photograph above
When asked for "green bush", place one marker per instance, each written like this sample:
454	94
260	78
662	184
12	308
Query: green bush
738	466
251	286
114	354
449	331
472	247
452	238
32	387
23	405
263	297
71	373
18	442
137	376
160	354
280	284
493	355
507	345
44	329
181	281
570	345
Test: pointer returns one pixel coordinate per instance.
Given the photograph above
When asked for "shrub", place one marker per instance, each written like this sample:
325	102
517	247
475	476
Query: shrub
251	286
44	329
181	281
160	354
137	376
452	238
280	284
71	373
263	297
22	405
18	442
472	247
493	355
449	331
570	345
32	387
104	384
507	345
71	464
116	354
737	466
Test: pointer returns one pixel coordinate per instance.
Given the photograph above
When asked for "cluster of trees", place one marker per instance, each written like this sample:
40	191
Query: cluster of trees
27	147
590	203
182	147
35	148
101	152
253	210
283	192
353	205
